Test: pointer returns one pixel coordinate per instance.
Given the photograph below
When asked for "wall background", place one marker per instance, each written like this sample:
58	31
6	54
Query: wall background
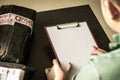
44	5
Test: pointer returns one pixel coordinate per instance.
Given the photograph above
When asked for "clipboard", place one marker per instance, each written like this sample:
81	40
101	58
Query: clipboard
71	42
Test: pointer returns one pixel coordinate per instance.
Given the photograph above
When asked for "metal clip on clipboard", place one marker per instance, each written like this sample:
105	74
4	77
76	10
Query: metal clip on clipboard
68	25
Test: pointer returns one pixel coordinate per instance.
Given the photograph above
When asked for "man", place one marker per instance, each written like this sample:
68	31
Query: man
99	67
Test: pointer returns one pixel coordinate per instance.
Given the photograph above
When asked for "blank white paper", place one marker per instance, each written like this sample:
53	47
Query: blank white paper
72	45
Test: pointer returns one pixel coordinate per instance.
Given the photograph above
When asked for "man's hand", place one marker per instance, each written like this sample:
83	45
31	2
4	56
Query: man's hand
97	51
57	73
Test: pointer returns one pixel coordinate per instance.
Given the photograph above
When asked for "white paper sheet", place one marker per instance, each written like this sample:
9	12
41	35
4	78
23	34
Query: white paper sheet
11	73
72	44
